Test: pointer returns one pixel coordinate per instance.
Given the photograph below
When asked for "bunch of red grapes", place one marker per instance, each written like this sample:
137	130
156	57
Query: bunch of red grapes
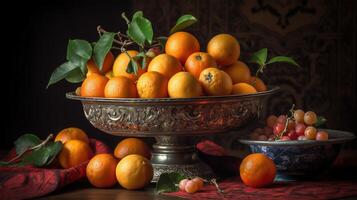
299	125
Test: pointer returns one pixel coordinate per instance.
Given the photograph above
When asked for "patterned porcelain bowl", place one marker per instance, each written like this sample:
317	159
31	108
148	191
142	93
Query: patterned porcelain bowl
301	159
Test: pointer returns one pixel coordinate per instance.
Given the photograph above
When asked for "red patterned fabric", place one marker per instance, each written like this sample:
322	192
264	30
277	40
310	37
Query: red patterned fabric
28	182
235	189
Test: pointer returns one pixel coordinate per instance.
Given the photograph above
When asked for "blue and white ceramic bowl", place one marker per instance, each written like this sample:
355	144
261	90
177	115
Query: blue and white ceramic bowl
304	158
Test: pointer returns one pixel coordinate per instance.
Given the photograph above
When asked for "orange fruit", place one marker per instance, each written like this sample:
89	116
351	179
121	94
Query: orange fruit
73	153
121	64
224	48
72	133
120	87
215	82
100	170
165	64
239	72
199	61
258	84
184	85
107	65
93	86
152	85
181	45
257	170
243	88
134	172
132	146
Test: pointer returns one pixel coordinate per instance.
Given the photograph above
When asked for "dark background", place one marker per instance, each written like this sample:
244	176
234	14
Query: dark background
321	35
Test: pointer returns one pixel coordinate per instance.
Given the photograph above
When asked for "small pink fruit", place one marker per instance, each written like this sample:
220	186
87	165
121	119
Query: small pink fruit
191	186
183	183
322	136
199	181
268	131
300	129
278	128
285	138
271	121
293	135
262	138
282	119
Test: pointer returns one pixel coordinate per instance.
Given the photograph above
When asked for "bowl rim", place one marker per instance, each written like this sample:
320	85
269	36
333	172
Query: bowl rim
338	138
226	98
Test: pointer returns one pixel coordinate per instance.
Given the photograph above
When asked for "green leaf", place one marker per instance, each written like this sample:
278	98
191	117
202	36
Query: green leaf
44	155
320	121
25	142
102	47
76	76
61	72
137	14
259	57
283	59
78	51
183	22
168	182
140	31
162	41
132	67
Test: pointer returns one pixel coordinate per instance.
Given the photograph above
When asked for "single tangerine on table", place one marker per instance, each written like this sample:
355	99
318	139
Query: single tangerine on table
107	65
72	133
132	146
152	84
243	88
215	82
121	64
165	64
74	152
224	48
239	72
199	61
134	172
120	87
181	45
184	85
100	170
257	170
93	86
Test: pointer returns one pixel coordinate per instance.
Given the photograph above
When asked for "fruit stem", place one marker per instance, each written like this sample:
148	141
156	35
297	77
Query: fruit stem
43	143
214	182
291	117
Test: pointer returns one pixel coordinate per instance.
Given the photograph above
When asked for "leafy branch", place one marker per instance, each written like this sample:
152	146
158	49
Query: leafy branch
260	58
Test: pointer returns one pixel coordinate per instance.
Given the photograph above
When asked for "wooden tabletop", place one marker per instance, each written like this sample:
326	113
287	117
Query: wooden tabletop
86	191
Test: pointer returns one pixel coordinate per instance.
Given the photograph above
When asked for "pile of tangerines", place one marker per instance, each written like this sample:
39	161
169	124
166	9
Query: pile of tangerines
129	164
180	71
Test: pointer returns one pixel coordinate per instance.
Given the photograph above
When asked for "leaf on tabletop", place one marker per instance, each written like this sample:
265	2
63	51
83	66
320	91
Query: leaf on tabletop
168	182
183	22
25	142
44	155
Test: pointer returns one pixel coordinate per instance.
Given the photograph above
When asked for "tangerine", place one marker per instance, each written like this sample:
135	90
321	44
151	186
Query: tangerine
224	48
100	170
199	61
181	45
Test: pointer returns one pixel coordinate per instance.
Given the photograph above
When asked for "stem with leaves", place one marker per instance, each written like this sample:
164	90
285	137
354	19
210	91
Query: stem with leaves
43	143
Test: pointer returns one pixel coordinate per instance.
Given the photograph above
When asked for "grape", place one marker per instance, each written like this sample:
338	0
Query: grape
271	121
310	118
282	119
299	116
284	138
300	129
254	136
268	131
191	186
262	138
292	135
271	138
291	125
199	181
310	133
259	130
183	183
278	128
302	137
322	135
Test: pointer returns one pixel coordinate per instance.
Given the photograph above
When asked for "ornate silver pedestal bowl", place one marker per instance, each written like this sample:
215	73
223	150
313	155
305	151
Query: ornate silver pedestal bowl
173	122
